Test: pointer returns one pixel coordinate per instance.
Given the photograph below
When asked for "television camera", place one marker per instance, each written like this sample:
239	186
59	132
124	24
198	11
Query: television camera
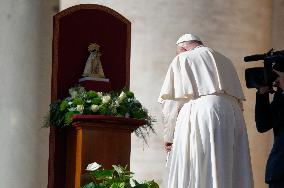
263	76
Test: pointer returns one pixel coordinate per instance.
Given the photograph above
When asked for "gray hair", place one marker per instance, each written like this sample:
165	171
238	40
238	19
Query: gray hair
188	44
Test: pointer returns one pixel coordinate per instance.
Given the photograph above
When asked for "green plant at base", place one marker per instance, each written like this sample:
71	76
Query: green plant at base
118	177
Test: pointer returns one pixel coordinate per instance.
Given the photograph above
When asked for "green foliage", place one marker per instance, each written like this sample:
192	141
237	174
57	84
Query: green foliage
92	94
90	185
129	94
96	101
102	174
80	101
118	177
104	110
63	105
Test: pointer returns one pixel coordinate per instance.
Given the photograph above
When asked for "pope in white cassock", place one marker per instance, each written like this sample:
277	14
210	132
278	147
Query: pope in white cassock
202	113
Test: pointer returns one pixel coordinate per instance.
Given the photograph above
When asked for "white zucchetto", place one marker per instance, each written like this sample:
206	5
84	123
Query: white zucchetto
187	38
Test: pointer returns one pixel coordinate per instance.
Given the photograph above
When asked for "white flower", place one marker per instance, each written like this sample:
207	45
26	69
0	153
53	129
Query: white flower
105	99
100	94
116	104
93	166
80	108
88	101
73	93
95	108
69	103
72	109
122	96
118	169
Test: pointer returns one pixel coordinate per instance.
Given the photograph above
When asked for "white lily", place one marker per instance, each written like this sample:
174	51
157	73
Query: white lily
93	166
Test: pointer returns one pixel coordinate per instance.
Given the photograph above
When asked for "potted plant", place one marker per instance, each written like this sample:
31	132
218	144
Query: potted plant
118	177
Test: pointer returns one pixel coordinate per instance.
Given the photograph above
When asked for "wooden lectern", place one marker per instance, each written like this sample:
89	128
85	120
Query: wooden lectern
103	139
93	138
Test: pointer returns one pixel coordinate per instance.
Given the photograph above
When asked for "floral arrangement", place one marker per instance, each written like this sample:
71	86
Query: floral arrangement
118	177
80	101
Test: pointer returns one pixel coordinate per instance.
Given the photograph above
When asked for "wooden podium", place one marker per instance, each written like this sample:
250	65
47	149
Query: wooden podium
97	138
93	138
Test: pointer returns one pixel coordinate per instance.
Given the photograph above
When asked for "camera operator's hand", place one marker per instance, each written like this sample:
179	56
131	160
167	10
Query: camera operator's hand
263	90
279	82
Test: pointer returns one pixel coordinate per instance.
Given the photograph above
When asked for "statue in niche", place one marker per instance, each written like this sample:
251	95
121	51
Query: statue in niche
93	68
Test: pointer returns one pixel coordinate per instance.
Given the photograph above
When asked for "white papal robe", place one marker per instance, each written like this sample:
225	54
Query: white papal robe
202	108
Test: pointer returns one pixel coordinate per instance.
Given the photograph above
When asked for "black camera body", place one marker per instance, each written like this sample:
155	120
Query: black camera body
263	76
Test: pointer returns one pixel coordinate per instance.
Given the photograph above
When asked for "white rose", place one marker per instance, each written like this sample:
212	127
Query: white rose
105	99
73	94
116	104
122	96
80	108
93	166
95	108
100	94
70	103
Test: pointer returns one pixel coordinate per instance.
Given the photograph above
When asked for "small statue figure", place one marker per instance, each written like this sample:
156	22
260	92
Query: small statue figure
93	67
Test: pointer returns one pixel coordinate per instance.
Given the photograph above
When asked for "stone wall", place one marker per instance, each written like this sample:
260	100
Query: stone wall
278	25
25	70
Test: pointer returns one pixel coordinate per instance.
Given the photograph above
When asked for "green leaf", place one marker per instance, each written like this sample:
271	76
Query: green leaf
78	101
97	101
139	114
122	109
135	182
68	117
141	186
104	109
63	105
102	174
92	94
151	184
129	94
118	185
89	185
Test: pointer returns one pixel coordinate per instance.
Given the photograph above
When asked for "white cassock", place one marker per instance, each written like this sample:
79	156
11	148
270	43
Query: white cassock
202	108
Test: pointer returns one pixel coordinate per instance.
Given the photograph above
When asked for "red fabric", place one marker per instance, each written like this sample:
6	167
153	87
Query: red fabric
97	86
114	119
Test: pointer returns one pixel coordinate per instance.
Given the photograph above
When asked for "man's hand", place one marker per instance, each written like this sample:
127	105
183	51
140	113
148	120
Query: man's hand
168	146
279	82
